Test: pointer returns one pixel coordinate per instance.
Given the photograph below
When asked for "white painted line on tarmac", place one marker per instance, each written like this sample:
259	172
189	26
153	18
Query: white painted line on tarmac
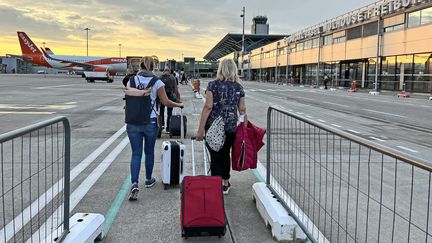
24	217
408	149
54	86
311	117
27	112
378	139
321	120
331	103
82	189
384	113
70	103
335	125
353	131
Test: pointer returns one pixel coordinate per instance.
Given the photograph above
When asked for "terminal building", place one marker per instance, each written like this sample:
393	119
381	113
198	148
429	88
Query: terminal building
396	34
387	44
192	67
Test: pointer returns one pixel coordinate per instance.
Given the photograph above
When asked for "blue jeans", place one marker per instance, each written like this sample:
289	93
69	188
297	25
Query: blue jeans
136	134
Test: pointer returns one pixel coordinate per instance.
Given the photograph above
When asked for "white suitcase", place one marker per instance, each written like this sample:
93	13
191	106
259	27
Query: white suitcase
172	163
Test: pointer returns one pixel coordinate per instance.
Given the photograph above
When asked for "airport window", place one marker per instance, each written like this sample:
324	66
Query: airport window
315	43
281	51
328	40
426	16
414	19
354	33
370	29
422	66
394	28
308	45
340	39
300	46
388	75
272	53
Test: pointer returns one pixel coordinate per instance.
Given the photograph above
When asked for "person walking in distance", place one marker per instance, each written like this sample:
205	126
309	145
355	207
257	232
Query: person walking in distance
225	99
172	93
326	80
141	92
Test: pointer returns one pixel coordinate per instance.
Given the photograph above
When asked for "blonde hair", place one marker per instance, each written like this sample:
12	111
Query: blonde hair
147	63
227	71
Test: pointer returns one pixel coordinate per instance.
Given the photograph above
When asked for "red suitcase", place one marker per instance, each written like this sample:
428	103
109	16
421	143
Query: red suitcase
202	211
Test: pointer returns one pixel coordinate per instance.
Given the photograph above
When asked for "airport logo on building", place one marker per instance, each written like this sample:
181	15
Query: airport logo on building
27	43
379	9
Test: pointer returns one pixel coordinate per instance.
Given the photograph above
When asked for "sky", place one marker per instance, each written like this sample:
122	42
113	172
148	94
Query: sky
167	29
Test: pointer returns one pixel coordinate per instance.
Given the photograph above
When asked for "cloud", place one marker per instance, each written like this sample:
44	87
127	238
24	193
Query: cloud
165	28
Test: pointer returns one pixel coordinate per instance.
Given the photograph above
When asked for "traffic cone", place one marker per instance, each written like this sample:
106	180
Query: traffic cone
403	94
353	87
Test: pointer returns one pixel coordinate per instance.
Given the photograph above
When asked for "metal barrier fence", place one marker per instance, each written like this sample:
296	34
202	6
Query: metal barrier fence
343	188
34	184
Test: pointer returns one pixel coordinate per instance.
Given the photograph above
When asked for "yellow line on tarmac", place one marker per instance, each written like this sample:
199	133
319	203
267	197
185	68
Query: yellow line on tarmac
27	112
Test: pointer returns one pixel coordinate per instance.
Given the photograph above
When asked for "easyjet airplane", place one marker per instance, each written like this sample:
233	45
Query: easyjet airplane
32	54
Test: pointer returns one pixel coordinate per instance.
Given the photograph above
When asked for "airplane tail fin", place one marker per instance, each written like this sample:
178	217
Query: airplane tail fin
49	51
27	45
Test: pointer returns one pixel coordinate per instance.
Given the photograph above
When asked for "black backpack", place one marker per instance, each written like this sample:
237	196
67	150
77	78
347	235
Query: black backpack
169	82
138	109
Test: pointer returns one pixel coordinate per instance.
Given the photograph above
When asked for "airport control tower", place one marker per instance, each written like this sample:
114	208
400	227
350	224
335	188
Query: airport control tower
260	26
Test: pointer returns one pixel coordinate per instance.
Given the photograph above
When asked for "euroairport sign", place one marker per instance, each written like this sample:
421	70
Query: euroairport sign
379	9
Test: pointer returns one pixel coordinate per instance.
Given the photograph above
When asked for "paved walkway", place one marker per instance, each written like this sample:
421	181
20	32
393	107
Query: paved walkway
154	217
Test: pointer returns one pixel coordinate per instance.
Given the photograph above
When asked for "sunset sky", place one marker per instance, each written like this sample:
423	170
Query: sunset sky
160	27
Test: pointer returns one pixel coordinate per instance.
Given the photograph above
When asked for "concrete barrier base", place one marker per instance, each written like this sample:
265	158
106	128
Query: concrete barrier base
85	227
283	227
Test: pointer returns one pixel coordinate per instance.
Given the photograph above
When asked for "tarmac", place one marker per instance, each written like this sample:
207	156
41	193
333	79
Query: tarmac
155	216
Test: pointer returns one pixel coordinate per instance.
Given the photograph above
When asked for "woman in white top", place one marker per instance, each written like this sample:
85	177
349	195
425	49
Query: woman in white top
146	132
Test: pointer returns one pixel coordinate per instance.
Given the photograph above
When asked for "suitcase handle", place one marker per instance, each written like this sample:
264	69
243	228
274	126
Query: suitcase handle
193	156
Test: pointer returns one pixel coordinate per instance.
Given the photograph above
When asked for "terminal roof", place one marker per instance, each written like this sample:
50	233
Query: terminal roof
233	42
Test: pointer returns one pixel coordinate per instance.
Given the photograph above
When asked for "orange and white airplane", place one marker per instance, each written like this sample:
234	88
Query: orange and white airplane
41	57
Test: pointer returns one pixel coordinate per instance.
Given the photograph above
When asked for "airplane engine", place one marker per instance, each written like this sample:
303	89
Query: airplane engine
101	69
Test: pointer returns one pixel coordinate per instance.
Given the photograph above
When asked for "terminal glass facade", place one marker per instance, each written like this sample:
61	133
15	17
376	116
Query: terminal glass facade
350	53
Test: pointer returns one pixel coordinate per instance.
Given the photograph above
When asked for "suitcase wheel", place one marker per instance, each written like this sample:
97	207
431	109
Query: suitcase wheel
165	186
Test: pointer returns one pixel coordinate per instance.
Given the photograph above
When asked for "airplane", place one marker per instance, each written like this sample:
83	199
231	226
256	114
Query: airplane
79	64
49	51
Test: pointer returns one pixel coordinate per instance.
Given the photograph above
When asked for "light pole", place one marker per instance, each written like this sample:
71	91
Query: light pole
319	60
287	51
376	90
87	30
242	50
120	49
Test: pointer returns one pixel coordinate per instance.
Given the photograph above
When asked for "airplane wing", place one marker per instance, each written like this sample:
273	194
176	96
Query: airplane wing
16	56
86	66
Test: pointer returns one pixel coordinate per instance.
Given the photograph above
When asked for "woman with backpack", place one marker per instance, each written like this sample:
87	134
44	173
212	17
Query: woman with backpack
225	99
141	118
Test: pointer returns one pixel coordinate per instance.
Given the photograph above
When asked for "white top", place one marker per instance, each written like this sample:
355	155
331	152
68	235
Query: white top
143	82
